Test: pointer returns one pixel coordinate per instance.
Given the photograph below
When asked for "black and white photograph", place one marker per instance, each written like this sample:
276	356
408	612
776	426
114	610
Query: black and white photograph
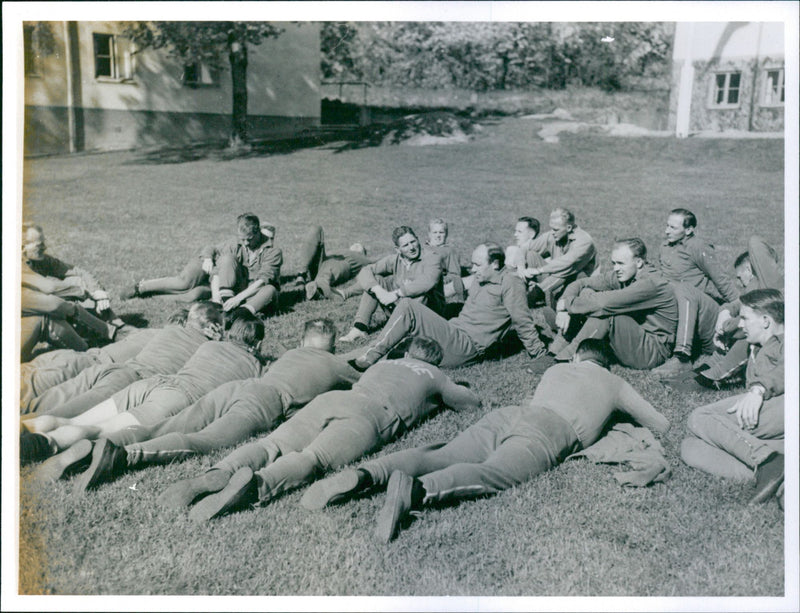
430	306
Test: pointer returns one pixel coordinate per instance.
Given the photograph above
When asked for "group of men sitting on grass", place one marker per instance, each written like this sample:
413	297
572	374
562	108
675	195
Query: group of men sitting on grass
200	383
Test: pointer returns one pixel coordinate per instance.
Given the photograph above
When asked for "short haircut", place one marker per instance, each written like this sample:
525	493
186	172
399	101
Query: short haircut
742	258
321	327
26	227
596	350
565	214
689	219
765	301
249	331
531	222
400	231
205	313
438	222
636	245
248	222
425	349
495	253
178	316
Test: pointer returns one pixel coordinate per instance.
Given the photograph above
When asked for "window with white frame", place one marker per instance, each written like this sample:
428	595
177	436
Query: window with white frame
198	74
113	57
773	87
726	89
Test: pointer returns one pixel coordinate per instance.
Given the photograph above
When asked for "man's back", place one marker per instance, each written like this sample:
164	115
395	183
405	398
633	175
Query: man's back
586	394
306	372
411	388
168	351
214	363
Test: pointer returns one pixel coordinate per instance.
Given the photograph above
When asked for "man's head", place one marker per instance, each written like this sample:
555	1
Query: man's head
33	245
358	248
628	256
562	222
486	260
593	350
319	333
743	268
246	330
425	349
680	224
526	228
437	232
761	315
406	242
207	317
178	316
249	230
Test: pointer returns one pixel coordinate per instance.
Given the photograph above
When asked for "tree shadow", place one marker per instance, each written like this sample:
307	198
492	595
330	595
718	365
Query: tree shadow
220	150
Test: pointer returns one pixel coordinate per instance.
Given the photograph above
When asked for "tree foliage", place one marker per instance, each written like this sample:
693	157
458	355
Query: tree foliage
487	56
209	42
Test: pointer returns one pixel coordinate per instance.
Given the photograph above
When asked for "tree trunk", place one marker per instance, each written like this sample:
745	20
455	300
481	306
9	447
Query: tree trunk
237	54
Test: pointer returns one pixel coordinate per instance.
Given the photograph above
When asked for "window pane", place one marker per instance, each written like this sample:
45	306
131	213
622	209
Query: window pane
734	82
733	96
103	55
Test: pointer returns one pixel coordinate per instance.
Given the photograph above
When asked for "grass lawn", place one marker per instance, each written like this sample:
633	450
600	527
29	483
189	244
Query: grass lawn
570	532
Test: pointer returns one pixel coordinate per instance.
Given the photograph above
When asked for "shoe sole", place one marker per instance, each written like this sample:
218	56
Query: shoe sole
217	504
90	479
183	493
54	468
322	493
393	510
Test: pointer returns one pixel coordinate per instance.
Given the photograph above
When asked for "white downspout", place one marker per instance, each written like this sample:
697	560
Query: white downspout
685	87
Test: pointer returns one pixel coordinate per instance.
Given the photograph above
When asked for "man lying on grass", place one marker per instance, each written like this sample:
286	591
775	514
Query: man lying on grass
149	401
496	303
632	305
334	429
230	414
743	435
165	354
507	447
320	272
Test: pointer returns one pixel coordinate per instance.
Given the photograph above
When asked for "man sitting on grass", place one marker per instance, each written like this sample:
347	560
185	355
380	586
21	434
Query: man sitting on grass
689	261
756	268
165	354
738	436
451	263
409	273
321	272
230	414
632	305
558	257
496	303
151	400
332	430
505	448
193	282
247	271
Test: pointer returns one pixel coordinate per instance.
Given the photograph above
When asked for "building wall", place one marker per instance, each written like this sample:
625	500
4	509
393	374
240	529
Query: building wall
749	48
149	104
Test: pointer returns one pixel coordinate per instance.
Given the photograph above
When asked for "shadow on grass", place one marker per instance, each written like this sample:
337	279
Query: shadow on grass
221	152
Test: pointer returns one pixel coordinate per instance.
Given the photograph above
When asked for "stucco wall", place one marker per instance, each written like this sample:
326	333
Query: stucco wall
154	106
